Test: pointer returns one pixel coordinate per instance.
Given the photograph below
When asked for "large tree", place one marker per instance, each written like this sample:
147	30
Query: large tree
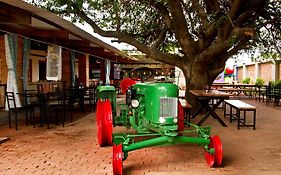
198	36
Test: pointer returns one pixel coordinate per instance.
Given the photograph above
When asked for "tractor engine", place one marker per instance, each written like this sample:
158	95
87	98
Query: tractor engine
153	107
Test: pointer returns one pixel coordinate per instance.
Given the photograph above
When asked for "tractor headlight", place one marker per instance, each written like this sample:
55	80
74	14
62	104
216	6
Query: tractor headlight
162	120
175	120
135	103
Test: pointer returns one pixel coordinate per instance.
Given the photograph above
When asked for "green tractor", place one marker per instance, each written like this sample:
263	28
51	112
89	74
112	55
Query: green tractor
155	113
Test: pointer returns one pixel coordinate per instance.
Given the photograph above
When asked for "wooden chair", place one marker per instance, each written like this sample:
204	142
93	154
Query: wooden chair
55	104
277	96
90	97
269	93
31	101
11	102
43	105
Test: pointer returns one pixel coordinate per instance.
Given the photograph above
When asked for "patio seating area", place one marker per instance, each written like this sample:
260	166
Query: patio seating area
73	149
56	105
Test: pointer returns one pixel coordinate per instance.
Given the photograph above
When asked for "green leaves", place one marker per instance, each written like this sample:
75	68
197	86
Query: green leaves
143	20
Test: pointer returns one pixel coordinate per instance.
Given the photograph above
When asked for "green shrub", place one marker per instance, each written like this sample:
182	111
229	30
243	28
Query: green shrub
277	84
271	83
259	82
246	80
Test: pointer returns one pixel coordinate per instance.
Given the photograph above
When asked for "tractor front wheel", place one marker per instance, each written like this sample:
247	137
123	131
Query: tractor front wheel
117	159
104	122
214	159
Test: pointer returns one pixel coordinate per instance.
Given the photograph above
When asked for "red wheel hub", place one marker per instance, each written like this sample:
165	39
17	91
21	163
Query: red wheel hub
117	159
180	119
214	159
104	122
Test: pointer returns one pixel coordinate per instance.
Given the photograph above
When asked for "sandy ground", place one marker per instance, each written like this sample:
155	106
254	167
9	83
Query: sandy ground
73	150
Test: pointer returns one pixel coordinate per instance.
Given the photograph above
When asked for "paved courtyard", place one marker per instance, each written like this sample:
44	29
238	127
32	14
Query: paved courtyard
74	150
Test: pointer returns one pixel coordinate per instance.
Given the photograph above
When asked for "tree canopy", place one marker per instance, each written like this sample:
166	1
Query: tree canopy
197	36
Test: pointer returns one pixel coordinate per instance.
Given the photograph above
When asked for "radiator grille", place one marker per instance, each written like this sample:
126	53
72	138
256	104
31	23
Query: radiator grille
168	107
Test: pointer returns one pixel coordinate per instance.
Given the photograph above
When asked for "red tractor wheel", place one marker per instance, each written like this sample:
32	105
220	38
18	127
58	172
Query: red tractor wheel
126	84
216	158
180	119
108	122
117	159
104	122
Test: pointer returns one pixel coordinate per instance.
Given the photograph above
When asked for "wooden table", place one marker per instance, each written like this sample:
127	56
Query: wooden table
239	88
204	97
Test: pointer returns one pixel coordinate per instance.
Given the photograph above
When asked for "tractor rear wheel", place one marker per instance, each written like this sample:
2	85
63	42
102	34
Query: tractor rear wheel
117	159
104	122
216	158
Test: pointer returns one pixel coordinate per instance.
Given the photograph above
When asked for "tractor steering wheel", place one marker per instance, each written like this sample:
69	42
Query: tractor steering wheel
141	73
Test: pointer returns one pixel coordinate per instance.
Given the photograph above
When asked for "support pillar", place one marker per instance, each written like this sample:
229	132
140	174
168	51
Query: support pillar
257	71
66	72
83	63
275	71
244	71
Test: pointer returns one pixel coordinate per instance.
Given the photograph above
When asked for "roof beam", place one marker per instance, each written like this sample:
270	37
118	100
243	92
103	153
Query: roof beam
10	14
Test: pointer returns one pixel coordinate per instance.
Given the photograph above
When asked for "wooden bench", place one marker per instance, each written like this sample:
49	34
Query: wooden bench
240	106
186	108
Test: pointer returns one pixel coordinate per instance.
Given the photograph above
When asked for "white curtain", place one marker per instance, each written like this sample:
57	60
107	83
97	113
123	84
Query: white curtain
11	58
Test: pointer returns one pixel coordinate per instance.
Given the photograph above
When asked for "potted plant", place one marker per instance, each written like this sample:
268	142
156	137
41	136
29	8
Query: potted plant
246	80
259	82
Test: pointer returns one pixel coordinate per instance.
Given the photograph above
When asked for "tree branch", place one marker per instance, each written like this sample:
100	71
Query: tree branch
201	13
180	28
165	13
160	39
235	8
122	37
244	31
236	48
226	30
208	54
190	19
212	5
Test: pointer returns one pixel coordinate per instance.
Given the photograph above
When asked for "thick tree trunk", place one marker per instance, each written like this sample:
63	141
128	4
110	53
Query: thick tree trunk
197	78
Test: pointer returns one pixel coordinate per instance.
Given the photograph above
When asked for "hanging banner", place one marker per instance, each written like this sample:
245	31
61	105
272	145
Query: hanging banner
54	66
107	72
116	71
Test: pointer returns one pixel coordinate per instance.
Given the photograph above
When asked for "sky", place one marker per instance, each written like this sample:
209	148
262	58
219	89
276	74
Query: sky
88	28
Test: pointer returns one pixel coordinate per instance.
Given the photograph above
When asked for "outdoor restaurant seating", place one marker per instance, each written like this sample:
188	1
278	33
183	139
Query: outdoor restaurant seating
52	106
89	95
277	96
273	95
31	102
269	94
55	104
59	103
13	108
